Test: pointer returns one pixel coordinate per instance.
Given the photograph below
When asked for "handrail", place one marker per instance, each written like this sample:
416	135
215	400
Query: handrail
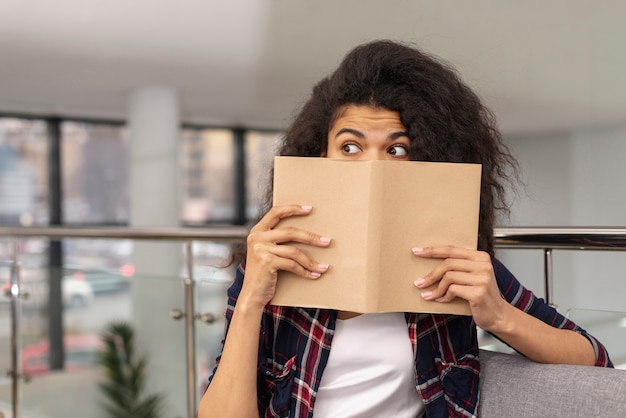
561	238
220	234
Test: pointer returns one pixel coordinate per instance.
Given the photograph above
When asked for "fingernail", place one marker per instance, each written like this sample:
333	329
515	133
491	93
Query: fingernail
322	266
417	250
426	295
325	240
419	282
439	300
315	274
307	207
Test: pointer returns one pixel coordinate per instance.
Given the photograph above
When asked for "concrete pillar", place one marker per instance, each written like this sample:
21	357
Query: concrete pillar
154	120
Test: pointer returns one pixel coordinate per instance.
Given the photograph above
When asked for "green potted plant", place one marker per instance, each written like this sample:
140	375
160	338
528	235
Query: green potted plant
126	376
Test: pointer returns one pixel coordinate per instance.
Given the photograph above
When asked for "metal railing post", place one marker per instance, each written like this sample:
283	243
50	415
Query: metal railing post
190	332
16	312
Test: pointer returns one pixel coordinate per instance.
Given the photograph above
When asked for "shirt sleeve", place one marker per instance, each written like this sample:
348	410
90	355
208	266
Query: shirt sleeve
523	299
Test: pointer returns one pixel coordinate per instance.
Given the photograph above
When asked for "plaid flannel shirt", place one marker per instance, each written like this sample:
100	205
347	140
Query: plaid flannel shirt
295	344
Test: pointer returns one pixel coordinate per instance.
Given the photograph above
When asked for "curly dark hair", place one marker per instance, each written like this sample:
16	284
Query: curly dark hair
445	119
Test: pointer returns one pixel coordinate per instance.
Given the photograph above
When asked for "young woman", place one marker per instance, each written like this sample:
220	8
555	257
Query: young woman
385	101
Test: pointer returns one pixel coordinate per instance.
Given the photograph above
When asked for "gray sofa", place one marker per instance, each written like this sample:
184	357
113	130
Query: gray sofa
513	386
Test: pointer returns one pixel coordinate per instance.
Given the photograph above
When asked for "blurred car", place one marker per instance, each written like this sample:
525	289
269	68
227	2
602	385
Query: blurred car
211	283
210	274
75	293
104	280
81	352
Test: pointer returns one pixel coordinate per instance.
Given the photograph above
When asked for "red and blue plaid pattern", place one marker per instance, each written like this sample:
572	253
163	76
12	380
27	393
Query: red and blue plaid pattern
295	344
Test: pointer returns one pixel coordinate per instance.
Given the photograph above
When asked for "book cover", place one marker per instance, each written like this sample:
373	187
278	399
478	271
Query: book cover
375	212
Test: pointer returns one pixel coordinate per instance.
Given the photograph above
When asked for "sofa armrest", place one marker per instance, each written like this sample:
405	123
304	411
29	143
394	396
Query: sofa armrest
513	386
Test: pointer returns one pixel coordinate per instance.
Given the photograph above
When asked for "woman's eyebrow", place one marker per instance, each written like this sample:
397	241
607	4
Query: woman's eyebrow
352	131
360	134
397	135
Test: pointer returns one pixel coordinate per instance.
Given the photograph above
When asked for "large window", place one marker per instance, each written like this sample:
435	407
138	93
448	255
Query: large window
23	172
260	148
217	185
206	159
95	173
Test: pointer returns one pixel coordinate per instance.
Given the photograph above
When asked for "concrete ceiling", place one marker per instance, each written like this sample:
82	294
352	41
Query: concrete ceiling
540	65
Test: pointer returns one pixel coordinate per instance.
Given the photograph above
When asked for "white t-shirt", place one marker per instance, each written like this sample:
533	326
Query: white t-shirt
370	370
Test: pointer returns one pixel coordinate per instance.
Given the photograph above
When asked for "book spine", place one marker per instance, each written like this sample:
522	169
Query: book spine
374	226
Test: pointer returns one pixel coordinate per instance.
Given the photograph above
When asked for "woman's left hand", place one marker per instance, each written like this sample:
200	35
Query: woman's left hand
467	274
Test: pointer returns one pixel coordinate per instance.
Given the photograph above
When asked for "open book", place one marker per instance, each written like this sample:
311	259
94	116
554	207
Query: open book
375	212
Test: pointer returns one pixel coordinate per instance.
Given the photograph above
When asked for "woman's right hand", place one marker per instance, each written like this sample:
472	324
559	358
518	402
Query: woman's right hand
233	390
267	253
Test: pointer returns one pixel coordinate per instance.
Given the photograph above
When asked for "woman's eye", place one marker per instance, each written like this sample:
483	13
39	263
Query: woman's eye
350	148
398	151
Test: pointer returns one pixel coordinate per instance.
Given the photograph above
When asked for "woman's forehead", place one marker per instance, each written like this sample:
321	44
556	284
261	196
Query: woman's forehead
368	115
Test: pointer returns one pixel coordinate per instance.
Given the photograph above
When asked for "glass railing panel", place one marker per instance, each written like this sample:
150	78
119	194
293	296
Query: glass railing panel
72	391
211	299
88	312
213	273
32	256
607	326
161	339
